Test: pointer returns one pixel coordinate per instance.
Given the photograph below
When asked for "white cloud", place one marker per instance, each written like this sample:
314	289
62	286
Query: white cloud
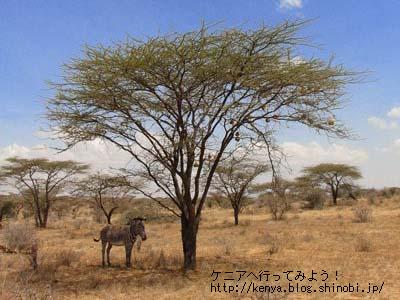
381	123
289	4
100	155
302	155
394	147
394	112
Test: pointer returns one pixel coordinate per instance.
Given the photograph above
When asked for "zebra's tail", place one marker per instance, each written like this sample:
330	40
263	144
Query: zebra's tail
96	240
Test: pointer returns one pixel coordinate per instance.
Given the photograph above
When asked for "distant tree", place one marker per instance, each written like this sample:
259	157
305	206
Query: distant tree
40	180
277	195
179	104
233	180
313	193
336	177
105	191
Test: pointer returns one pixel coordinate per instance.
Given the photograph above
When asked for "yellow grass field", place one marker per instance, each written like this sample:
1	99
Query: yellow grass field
306	241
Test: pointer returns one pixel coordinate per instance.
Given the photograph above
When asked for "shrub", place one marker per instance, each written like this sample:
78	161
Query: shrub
362	214
363	245
225	245
219	201
6	209
22	238
65	257
278	206
157	259
148	209
245	223
315	199
161	262
389	192
273	245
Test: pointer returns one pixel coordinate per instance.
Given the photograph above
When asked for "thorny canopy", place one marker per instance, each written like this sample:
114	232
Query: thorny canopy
181	103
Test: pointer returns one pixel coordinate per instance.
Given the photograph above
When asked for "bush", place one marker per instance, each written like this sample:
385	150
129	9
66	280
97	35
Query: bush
271	241
278	206
363	245
6	209
218	201
22	238
157	259
362	214
389	192
149	210
315	199
65	257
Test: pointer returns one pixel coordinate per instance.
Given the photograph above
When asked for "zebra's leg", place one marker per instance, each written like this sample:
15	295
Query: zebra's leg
103	250
128	252
108	254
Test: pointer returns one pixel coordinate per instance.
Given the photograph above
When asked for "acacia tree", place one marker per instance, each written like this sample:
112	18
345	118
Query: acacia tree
105	191
233	180
180	103
336	177
39	180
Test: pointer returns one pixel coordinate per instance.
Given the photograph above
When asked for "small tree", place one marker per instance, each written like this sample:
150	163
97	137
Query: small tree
39	181
233	179
310	192
336	177
277	196
104	191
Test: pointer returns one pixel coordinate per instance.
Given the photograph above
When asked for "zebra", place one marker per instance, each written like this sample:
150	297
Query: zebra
112	235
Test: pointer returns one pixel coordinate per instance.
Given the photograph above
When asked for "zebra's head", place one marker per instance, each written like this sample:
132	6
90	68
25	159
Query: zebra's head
137	227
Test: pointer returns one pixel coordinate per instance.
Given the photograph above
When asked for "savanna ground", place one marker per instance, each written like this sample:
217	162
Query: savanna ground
306	240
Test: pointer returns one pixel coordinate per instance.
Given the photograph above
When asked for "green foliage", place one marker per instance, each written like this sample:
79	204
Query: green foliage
329	170
39	180
203	92
105	192
337	178
182	103
234	178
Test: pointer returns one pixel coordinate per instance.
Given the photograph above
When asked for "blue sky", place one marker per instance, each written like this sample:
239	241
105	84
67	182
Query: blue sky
37	37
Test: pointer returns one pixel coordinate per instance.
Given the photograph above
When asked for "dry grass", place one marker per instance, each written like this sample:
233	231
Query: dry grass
329	239
363	245
362	213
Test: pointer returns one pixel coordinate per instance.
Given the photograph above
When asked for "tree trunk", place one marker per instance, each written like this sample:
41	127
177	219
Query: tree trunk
43	224
334	195
38	217
109	214
236	215
189	235
108	219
